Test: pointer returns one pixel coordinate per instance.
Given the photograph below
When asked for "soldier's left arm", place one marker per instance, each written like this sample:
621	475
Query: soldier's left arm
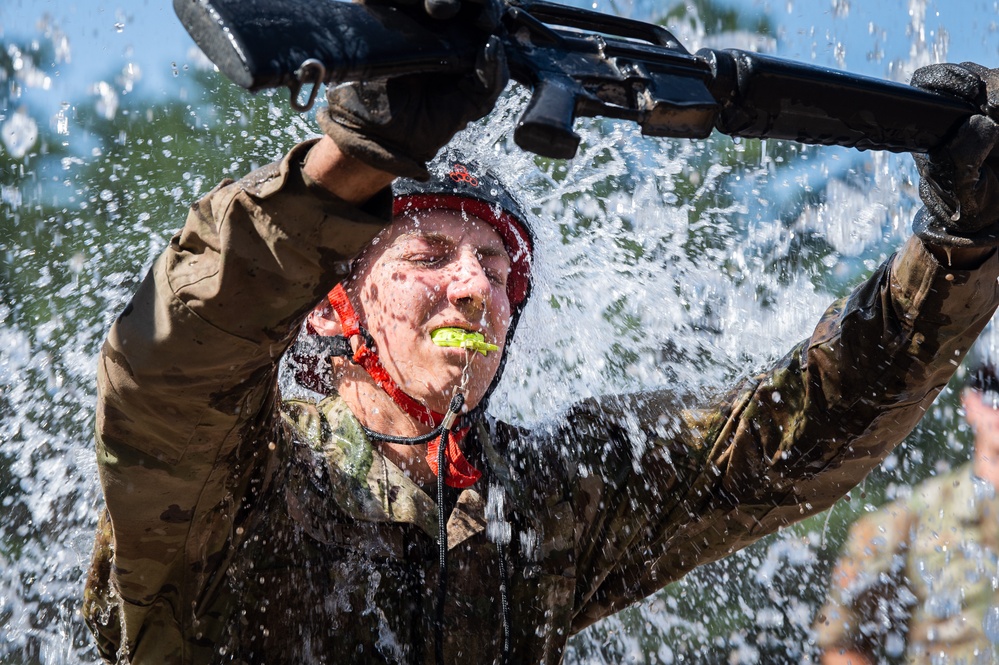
668	488
676	492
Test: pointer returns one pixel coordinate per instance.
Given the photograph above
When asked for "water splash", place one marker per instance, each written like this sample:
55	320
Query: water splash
19	133
674	263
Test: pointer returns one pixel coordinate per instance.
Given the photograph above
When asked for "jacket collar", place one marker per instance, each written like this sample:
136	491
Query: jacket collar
371	488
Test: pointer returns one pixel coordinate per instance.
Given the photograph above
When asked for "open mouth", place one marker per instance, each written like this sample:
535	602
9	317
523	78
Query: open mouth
463	339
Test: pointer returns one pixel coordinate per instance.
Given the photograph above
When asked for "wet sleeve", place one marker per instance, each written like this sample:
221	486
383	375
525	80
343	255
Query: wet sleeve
867	601
187	375
664	486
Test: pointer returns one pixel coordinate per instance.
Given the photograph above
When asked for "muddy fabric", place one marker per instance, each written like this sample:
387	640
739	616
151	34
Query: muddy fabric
241	529
919	576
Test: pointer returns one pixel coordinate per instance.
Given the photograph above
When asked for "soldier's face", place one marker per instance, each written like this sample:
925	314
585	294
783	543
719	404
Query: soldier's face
431	270
983	416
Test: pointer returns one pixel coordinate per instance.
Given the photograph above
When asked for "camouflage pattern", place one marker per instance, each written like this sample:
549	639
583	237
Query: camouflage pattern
921	573
239	529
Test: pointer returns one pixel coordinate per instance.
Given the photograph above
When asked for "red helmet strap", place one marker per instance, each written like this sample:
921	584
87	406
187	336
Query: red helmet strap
460	473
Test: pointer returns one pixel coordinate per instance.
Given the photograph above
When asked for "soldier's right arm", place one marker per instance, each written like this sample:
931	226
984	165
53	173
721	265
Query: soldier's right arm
187	375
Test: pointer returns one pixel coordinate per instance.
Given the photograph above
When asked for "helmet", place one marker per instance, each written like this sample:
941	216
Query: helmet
462	185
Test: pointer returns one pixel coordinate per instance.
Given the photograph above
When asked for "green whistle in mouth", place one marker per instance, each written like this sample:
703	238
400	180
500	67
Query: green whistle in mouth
462	339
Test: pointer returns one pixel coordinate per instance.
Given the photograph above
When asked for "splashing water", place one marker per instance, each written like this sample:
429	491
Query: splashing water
662	263
19	133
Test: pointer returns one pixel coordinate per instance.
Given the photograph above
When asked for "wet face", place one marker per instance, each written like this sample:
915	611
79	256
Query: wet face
432	270
983	416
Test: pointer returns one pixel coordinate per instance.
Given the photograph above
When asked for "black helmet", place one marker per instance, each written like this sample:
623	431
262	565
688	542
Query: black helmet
462	185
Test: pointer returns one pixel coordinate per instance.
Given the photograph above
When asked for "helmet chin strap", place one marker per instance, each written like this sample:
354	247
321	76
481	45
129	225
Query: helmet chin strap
459	471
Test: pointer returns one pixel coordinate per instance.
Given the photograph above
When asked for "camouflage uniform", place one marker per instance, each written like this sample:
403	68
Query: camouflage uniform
923	572
241	530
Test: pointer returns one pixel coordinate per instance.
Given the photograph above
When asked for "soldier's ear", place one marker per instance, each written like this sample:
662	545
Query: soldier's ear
325	321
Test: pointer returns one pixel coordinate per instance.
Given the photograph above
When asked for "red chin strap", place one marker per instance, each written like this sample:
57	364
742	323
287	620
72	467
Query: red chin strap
460	473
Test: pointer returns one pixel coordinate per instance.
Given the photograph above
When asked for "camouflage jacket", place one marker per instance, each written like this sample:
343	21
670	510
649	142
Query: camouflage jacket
919	575
238	530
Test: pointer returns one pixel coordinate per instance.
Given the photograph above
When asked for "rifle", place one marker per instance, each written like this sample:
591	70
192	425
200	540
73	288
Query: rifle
578	63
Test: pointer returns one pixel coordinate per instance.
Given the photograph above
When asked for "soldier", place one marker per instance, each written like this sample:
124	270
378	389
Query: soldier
242	528
919	576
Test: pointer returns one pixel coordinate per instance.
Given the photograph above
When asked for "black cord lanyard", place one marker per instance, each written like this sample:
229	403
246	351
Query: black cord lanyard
444	431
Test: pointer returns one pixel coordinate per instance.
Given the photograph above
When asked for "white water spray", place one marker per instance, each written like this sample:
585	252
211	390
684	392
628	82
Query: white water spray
659	263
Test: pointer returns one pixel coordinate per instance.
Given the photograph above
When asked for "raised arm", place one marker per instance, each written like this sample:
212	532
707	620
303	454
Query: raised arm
680	487
187	375
187	379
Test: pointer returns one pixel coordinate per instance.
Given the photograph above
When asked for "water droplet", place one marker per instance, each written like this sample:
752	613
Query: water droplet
990	625
107	99
19	133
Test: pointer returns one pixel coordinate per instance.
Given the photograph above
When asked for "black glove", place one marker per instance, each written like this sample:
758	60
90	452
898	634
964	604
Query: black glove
398	124
959	184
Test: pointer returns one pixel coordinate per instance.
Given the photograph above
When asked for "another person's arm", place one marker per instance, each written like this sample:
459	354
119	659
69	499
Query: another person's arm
866	582
845	658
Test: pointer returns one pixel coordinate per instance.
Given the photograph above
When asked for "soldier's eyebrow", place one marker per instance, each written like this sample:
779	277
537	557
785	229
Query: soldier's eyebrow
432	236
491	249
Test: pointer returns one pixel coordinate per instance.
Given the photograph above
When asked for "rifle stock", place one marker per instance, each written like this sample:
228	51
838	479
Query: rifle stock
260	44
600	66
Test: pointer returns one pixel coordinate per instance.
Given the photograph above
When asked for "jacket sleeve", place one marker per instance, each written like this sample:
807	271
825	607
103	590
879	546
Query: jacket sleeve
677	487
187	376
866	594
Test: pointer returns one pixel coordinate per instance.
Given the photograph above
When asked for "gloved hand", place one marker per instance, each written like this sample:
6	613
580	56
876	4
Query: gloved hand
398	124
959	182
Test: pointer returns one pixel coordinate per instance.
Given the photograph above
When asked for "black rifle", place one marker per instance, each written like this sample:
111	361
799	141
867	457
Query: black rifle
578	63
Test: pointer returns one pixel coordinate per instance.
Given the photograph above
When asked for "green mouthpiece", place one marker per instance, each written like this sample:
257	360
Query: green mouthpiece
462	339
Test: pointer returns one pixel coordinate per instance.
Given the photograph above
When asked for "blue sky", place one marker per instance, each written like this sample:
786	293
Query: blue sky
971	26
